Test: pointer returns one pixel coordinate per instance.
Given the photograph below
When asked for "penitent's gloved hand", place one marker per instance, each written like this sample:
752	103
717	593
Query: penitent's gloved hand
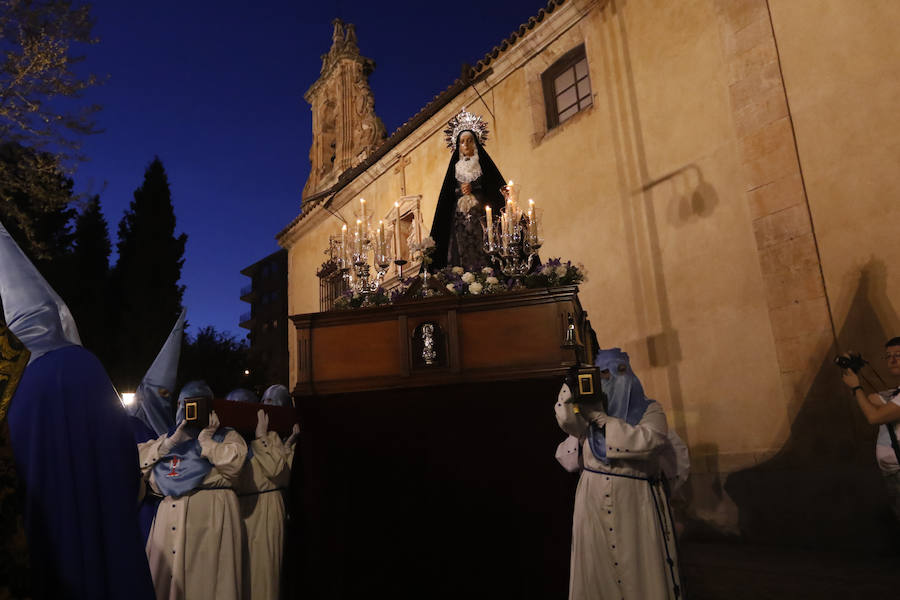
207	432
295	433
262	423
178	436
593	414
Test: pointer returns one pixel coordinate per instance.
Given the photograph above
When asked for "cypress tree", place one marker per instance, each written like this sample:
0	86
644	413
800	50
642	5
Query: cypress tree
145	278
89	299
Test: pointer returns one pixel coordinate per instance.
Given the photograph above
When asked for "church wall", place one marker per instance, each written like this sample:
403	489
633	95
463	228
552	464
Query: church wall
668	188
849	152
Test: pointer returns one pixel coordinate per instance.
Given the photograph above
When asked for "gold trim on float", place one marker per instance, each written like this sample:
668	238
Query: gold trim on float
13	360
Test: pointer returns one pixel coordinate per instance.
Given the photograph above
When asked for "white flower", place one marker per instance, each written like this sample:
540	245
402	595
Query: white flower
547	270
561	271
487	270
458	270
475	288
492	281
427	242
451	288
468	277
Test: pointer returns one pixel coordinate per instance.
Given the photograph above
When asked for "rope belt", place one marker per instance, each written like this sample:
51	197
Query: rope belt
279	489
651	481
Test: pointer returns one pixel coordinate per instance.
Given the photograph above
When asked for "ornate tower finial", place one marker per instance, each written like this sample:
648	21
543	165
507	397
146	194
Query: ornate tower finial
345	126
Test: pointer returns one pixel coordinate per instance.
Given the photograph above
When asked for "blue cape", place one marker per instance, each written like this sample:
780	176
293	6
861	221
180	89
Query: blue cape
147	508
78	463
184	468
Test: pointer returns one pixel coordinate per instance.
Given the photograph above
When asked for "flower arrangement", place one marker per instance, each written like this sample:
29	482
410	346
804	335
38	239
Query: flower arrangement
460	282
425	249
555	272
351	299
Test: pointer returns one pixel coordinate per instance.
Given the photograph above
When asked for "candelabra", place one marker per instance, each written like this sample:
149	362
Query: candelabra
355	251
513	240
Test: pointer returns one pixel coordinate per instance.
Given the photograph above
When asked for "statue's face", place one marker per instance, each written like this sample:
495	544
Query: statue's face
466	144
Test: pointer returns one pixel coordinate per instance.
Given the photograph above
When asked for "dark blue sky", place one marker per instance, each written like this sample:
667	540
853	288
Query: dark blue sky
215	89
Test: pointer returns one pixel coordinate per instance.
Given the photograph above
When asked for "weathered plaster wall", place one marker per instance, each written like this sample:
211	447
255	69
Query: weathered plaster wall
841	64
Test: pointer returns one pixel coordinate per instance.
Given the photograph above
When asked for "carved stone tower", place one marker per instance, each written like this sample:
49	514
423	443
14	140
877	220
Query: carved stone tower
345	127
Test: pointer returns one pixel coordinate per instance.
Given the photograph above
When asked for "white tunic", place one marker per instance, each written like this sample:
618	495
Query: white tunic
262	509
194	548
623	542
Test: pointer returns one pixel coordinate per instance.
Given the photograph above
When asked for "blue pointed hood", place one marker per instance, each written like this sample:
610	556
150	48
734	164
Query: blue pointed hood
242	395
33	311
277	395
153	398
625	396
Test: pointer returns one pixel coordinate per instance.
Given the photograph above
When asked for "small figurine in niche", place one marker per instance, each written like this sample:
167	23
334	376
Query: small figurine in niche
472	182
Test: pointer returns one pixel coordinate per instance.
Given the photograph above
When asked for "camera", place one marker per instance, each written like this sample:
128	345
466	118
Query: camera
854	362
584	381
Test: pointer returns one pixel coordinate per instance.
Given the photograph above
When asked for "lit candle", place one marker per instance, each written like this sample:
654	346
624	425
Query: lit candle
381	247
362	212
344	241
397	231
513	192
359	236
489	218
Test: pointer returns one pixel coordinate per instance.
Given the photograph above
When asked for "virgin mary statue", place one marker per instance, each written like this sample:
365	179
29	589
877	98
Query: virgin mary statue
471	183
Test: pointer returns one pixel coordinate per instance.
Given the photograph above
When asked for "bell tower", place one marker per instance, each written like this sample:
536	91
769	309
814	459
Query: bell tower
345	127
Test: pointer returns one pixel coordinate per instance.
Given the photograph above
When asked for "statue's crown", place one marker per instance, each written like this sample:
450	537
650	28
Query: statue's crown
465	121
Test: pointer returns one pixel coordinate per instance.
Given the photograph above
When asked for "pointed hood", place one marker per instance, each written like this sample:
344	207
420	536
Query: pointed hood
164	370
277	395
33	311
153	398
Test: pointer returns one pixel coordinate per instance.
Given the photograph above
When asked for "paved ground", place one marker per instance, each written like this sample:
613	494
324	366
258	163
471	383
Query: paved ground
721	571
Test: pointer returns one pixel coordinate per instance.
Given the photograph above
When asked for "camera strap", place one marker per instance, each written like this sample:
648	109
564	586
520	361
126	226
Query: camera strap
893	434
894	444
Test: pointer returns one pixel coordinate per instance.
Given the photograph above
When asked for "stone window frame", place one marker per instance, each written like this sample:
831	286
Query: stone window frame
567	62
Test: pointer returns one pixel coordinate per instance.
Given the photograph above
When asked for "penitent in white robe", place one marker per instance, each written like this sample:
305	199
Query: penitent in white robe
194	548
623	540
264	478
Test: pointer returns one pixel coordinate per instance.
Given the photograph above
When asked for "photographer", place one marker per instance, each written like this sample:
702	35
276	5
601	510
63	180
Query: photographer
622	534
882	409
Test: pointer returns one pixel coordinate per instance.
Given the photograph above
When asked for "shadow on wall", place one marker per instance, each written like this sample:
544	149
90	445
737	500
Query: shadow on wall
823	487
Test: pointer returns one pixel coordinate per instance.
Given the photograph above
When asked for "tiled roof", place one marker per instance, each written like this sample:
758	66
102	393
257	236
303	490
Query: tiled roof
469	76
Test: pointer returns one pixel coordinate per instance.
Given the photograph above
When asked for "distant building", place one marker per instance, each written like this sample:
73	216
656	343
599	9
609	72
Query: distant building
267	317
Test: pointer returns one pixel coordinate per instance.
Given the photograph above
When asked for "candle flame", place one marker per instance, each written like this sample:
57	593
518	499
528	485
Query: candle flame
381	222
358	222
344	227
531	202
396	205
510	184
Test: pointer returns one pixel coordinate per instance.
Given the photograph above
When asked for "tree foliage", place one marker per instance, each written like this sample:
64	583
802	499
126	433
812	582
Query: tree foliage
217	358
35	205
41	116
38	68
88	298
146	277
